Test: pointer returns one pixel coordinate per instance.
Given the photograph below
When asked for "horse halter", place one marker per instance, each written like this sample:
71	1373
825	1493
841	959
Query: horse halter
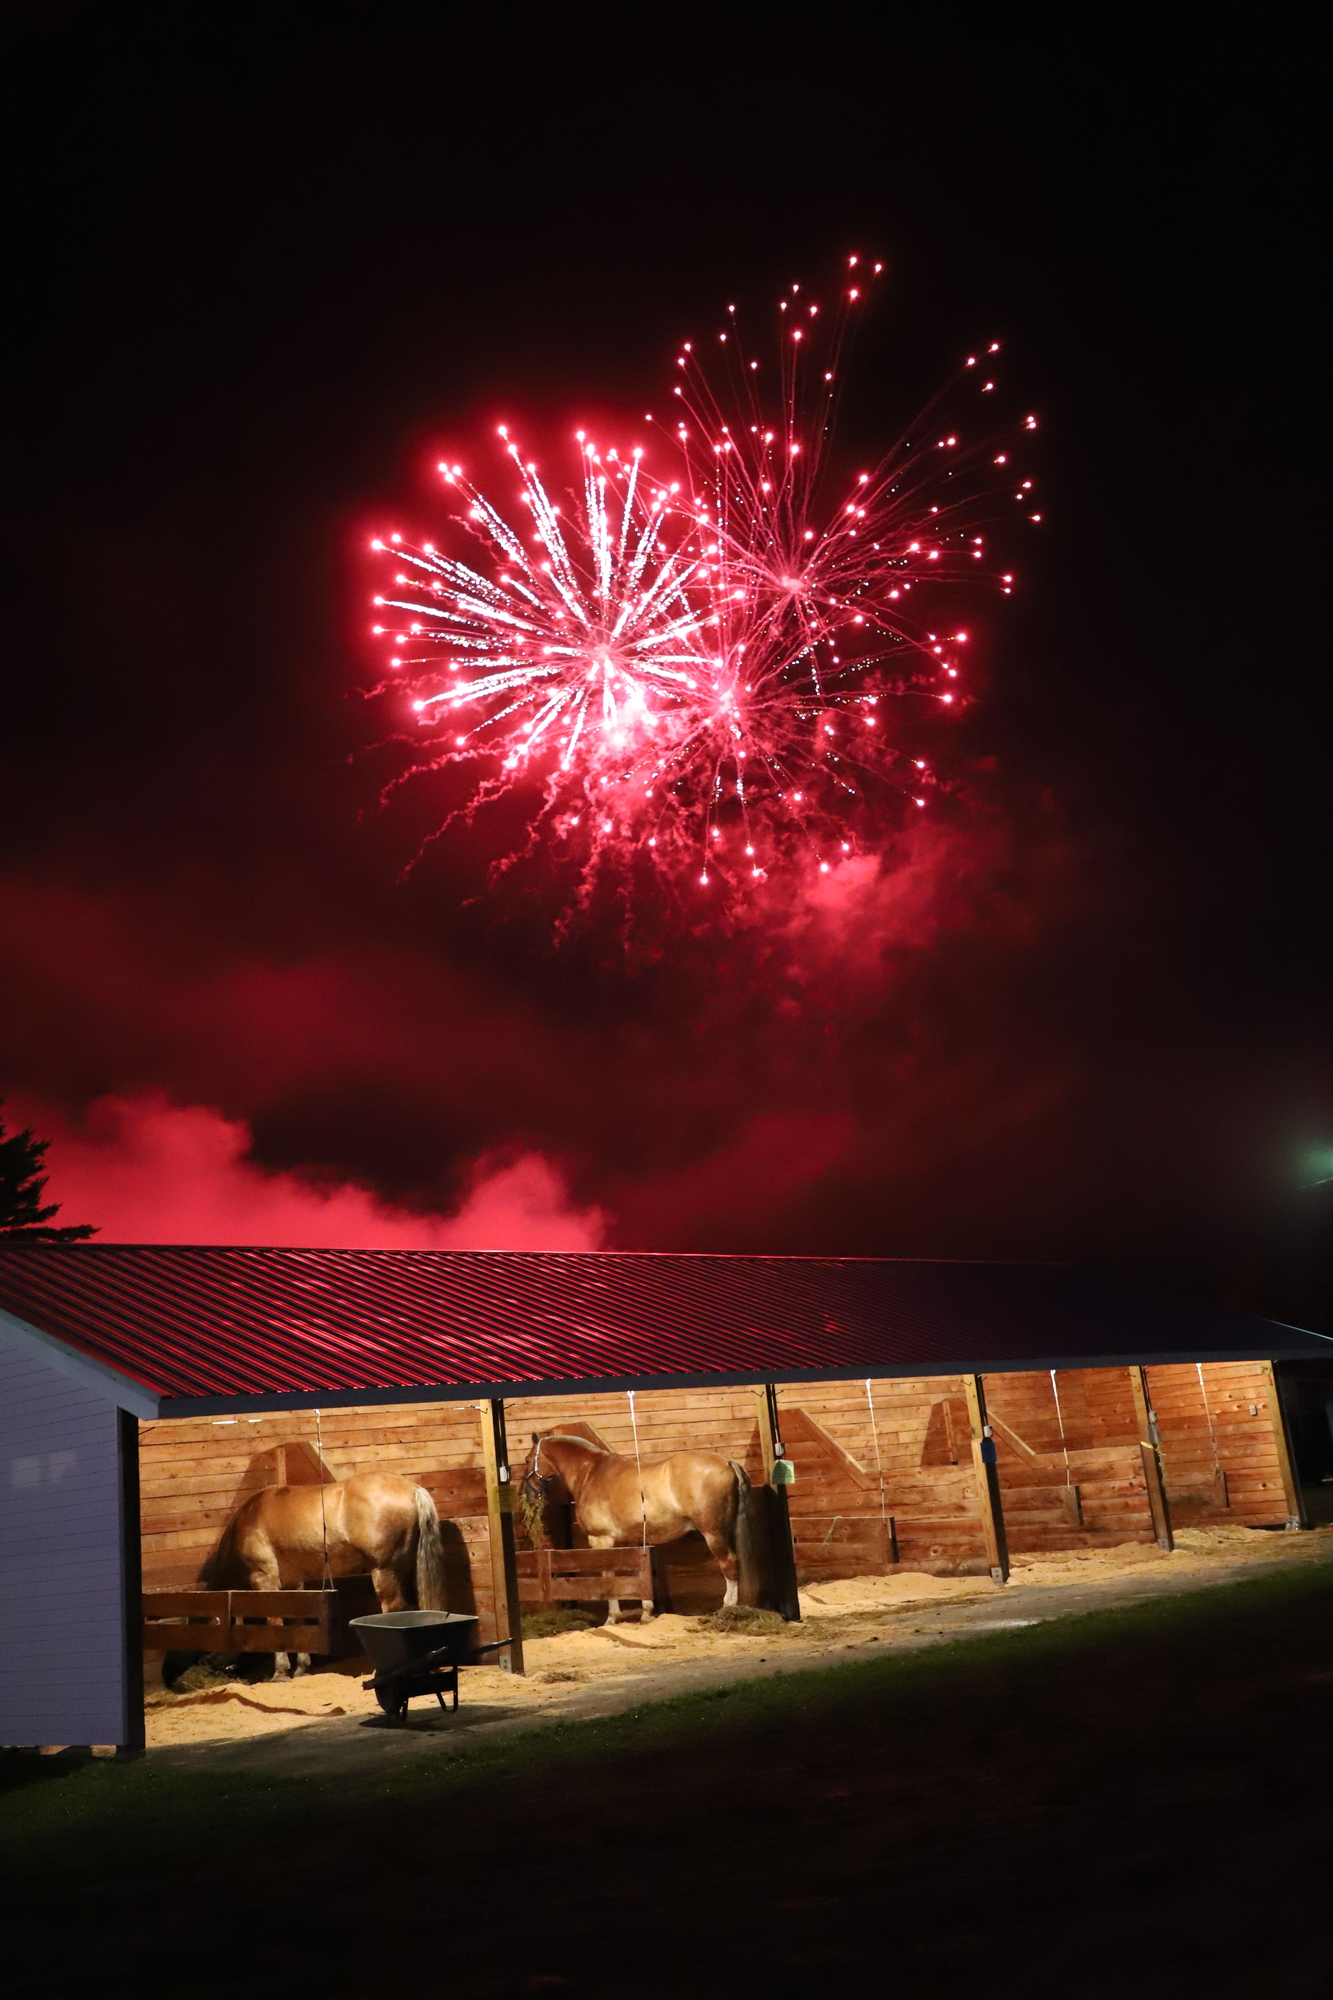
536	1477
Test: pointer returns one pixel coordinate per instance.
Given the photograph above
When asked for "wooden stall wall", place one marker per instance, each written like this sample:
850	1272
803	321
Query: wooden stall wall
914	1459
1067	1451
1220	1433
195	1472
878	1484
884	1476
668	1420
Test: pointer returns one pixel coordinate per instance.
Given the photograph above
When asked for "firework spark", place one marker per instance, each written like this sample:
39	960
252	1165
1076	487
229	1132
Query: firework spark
695	665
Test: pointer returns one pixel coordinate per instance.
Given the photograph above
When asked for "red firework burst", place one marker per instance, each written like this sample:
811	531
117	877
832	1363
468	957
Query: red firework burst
694	665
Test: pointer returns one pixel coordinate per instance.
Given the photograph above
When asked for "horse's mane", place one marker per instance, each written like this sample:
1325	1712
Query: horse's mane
568	1437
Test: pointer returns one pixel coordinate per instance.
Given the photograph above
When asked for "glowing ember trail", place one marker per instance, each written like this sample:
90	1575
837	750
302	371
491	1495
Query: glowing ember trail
693	668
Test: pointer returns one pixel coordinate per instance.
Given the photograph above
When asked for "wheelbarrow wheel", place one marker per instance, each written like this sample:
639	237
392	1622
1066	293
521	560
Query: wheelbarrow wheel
393	1703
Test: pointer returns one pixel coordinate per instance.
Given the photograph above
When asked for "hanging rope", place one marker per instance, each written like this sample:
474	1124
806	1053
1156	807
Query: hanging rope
643	1504
879	1463
1059	1418
1212	1434
323	1517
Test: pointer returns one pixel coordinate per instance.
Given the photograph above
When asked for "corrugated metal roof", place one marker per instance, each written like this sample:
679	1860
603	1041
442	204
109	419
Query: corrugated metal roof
211	1328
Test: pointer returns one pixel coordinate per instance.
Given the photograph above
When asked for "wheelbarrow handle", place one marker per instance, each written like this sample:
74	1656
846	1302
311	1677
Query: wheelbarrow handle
442	1656
401	1673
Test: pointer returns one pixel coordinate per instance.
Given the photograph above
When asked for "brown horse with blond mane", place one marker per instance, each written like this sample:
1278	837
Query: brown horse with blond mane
286	1536
619	1500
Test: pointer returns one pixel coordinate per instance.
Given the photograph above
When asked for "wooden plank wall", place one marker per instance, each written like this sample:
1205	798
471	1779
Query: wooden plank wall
904	1433
931	1498
1219	1447
196	1471
668	1420
1080	1482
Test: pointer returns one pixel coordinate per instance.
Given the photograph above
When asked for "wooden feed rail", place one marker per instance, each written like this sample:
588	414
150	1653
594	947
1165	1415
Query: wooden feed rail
580	1576
241	1621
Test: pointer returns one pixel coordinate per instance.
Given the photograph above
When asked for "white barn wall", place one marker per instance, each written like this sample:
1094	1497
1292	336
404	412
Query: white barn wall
62	1650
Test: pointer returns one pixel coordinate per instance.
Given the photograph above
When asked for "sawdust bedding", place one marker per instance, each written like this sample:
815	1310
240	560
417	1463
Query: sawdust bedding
556	1666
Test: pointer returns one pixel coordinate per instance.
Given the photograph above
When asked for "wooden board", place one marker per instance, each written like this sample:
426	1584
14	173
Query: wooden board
1069	1459
1219	1447
256	1621
555	1576
844	1545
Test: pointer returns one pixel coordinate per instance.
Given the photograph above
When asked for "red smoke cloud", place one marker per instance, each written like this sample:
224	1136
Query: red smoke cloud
832	1078
148	1171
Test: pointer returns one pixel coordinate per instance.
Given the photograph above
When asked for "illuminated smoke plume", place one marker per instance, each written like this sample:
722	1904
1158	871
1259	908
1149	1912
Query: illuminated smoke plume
150	1171
692	667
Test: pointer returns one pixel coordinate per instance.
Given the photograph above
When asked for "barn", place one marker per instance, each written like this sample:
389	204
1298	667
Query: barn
893	1413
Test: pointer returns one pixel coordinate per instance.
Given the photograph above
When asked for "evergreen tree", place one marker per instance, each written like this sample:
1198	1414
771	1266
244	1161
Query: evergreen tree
23	1216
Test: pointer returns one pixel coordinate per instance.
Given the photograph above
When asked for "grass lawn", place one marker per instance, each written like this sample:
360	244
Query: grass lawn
1133	1803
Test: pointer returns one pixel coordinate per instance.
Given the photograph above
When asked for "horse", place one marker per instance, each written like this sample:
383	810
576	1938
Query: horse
285	1536
617	1500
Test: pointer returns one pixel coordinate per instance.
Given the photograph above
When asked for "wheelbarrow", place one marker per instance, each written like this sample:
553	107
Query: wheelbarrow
418	1652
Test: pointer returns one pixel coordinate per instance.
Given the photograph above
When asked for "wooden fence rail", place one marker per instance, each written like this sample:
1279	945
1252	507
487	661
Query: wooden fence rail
254	1621
553	1576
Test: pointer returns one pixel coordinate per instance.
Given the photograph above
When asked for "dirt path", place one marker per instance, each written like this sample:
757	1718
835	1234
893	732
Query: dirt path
325	1721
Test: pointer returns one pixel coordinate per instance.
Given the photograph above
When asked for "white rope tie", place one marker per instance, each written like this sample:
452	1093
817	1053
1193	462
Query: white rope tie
879	1463
1059	1418
643	1503
1212	1434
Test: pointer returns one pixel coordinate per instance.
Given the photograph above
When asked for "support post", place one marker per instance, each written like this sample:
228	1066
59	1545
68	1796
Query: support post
1150	1448
131	1742
781	1550
500	1523
1296	1513
988	1480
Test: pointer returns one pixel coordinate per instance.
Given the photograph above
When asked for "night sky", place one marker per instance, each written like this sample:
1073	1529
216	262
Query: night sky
258	267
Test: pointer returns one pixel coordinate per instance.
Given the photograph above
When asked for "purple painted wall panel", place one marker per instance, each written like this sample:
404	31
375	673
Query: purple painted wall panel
62	1665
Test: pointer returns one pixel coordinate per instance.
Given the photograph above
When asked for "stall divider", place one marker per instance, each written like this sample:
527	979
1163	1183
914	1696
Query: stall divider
500	1521
1295	1499
988	1480
1150	1448
777	1478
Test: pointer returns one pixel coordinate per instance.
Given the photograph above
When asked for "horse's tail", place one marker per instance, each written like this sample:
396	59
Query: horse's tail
430	1555
222	1570
747	1541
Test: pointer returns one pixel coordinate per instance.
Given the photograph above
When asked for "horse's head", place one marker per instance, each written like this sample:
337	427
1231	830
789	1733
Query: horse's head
543	1476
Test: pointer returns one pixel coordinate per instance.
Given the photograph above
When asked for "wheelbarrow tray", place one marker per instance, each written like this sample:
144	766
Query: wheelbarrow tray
403	1641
